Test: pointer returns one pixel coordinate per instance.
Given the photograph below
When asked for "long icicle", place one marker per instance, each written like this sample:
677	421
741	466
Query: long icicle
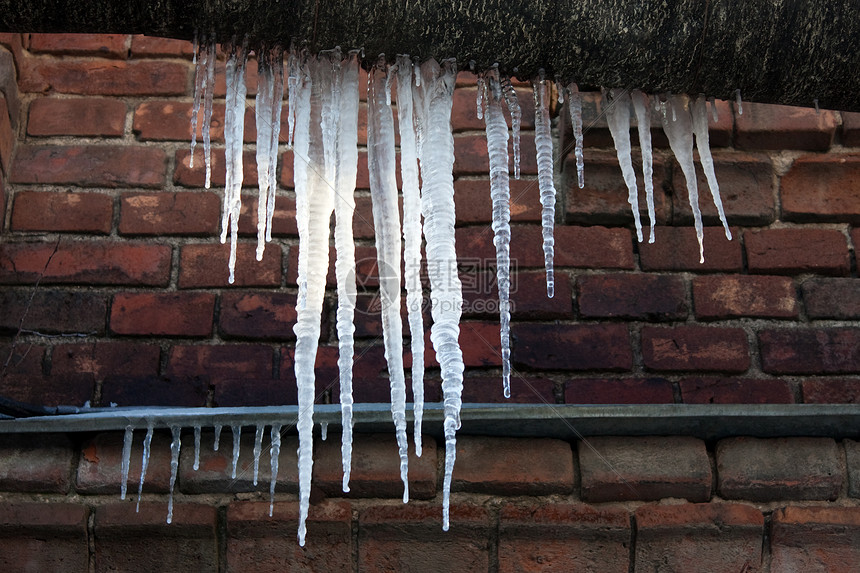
277	57
234	126
616	103
700	128
274	452
411	240
543	145
127	440
144	464
199	64
208	88
574	105
642	107
263	115
500	195
516	120
175	445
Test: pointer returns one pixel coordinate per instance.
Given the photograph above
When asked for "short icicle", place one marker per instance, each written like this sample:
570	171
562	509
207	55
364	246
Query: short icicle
197	431
127	440
642	107
217	437
574	105
237	445
386	222
144	464
175	445
617	107
700	129
275	452
543	145
258	450
199	64
516	120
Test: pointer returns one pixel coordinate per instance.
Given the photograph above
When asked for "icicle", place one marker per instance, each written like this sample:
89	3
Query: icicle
433	106
543	144
739	102
237	444
301	173
560	91
274	452
292	87
500	195
144	464
175	432
642	107
411	240
197	430
680	135
199	85
126	459
575	108
714	113
516	120
386	223
815	103
258	450
324	430
217	437
234	125
268	116
617	107
700	129
208	96
479	98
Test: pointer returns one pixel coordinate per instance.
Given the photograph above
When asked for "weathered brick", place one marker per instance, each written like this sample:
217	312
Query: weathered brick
471	158
286	174
195	213
52	311
513	466
822	188
852	461
151	46
258	315
162	314
215	474
130	541
64	212
810	351
375	468
837	298
104	45
186	176
256	542
399	537
830	391
95	117
633	296
100	465
222	362
205	265
473	205
85	262
43	537
735	391
687	537
35	463
676	249
815	539
695	348
746	190
618	391
732	296
283	219
524	390
170	120
8	137
766	126
571	347
563	537
796	251
104	360
765	469
25	381
100	77
89	165
625	468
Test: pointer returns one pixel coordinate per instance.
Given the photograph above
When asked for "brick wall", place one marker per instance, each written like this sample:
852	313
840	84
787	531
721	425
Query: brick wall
104	213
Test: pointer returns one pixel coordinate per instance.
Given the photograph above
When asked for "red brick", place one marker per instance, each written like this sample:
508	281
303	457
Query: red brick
563	537
796	251
362	177
735	391
186	176
624	468
822	188
464	111
162	314
778	468
64	212
572	347
100	466
375	468
216	466
695	348
524	390
635	296
479	342
205	265
222	362
473	205
85	262
286	173
370	374
52	311
618	391
829	391
257	542
470	155
603	200
815	539
104	360
170	120
764	126
731	296
832	298
746	189
89	166
8	136
258	315
399	537
155	47
197	213
676	249
35	463
850	129
250	76
810	351
100	77
527	293
283	219
104	45
129	541
725	536
43	537
82	117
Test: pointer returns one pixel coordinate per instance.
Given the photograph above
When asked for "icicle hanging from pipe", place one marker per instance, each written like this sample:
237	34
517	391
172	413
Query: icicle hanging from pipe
543	145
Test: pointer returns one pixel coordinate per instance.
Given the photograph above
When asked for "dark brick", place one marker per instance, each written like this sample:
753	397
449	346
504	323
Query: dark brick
104	360
162	314
676	249
822	188
810	351
195	213
816	539
837	298
796	251
222	362
93	117
732	296
63	212
634	296
527	294
473	205
695	348
479	342
100	467
205	265
52	311
43	537
35	463
735	391
181	391
618	391
765	126
830	391
852	462
25	381
258	315
571	347
524	390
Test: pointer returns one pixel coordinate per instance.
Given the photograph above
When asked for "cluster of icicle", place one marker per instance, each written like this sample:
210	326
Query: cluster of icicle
323	96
